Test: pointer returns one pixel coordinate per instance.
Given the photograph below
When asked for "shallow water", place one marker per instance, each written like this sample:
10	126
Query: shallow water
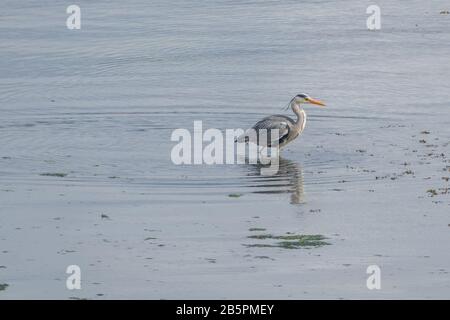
99	104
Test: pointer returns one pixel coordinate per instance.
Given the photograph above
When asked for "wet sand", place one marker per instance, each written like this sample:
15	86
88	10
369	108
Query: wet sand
86	176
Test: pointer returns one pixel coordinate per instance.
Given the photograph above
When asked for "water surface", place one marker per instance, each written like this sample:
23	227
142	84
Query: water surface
97	107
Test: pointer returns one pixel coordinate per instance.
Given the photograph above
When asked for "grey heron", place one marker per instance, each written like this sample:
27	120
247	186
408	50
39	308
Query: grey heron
288	128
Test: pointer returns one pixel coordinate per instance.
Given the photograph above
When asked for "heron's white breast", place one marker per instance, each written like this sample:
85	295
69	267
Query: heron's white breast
303	121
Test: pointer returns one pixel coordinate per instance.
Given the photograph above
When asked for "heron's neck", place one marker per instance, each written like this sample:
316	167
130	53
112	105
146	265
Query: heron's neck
301	116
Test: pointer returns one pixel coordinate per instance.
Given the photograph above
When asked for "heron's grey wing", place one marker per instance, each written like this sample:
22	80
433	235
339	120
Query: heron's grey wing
270	124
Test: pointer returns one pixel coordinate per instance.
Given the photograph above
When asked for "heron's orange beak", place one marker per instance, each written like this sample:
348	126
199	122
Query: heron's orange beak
317	102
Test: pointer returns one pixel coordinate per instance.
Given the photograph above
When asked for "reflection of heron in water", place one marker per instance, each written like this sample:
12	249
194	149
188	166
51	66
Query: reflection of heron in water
288	179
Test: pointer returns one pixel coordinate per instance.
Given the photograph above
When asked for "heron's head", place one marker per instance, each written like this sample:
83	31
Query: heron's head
303	98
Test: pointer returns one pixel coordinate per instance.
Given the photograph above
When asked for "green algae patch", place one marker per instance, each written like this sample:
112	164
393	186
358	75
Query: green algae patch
290	241
261	236
54	174
303	243
235	195
257	229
